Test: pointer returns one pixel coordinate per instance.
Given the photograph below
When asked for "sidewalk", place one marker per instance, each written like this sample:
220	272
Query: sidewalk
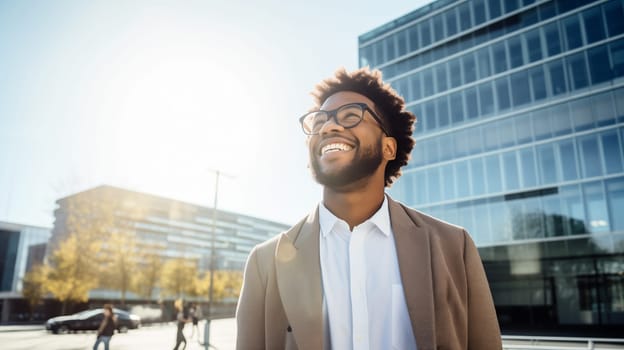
22	328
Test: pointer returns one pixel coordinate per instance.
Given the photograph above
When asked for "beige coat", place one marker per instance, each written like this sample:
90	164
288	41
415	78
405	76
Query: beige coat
447	294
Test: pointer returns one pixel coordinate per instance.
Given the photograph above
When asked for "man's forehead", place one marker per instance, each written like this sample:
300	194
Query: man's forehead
343	97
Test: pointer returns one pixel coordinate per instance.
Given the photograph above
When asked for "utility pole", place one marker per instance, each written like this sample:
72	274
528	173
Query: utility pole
213	258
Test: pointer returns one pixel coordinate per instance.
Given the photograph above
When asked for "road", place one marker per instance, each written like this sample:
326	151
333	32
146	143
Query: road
223	334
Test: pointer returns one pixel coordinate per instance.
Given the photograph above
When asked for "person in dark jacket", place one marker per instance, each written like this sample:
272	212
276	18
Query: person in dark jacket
182	320
107	328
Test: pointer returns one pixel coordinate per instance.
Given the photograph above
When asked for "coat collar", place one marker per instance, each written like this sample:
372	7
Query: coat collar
298	270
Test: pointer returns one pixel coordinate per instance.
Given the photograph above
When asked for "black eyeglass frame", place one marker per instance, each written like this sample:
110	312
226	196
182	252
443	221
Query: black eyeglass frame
333	114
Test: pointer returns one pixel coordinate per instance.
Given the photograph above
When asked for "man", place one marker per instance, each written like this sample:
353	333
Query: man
107	328
362	271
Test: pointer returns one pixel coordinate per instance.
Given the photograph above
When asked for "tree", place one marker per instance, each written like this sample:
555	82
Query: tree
179	277
119	262
34	286
73	271
227	284
148	274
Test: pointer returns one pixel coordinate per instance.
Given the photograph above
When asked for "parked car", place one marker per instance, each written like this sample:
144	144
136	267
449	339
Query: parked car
90	320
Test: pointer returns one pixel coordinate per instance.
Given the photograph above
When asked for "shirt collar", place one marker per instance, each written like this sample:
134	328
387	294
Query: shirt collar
381	219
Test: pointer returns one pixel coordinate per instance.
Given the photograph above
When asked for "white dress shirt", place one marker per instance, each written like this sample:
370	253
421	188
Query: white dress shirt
364	305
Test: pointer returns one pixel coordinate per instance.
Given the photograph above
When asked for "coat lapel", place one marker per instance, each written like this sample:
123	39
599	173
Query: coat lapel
298	270
414	255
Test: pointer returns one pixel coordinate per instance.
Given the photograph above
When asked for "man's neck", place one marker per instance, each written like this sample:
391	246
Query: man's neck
354	207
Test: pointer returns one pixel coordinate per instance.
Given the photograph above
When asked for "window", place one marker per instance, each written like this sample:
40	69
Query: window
515	52
572	29
451	22
455	72
461	143
494	179
457	108
448	182
469	67
615	193
602	109
478	10
573	210
541	124
547	10
472	105
425	33
438	28
443	111
612	151
510	5
512	181
534	45
507	135
538	83
440	73
617	55
380	55
433	184
414	42
521	94
560	119
591	160
390	47
366	56
490	136
547	165
428	82
402	42
553	39
430	116
567	155
477	176
577	71
594	24
598	217
475	144
558	82
527	164
599	65
499	57
431	151
502	94
581	114
613	13
416	88
486	98
483	62
465	19
495	8
523	129
462	179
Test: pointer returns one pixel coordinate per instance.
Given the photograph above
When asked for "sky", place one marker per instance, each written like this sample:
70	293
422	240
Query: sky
153	96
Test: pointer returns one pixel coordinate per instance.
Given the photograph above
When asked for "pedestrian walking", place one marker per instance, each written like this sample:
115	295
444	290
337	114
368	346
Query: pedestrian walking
195	313
107	328
181	322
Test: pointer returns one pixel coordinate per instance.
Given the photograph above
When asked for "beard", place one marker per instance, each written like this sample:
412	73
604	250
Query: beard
364	164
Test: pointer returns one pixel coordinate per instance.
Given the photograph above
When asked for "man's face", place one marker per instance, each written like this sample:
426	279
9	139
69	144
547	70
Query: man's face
339	156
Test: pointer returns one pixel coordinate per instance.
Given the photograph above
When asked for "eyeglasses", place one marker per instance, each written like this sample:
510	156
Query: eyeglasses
347	116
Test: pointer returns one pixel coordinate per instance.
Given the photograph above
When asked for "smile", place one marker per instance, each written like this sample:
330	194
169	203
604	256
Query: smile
335	147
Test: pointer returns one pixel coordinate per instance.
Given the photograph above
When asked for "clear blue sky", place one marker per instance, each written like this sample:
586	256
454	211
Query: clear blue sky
149	95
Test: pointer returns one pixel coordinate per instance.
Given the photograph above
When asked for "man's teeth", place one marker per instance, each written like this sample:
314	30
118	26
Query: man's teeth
335	147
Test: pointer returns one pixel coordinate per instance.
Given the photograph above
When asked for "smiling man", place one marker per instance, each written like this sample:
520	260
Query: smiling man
363	271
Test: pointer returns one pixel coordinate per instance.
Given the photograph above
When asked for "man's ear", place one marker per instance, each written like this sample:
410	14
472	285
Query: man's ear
389	148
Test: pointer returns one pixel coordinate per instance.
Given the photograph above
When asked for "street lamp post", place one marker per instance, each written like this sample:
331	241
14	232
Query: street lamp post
213	260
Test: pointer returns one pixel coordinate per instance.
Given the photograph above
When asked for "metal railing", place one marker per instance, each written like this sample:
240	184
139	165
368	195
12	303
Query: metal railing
518	342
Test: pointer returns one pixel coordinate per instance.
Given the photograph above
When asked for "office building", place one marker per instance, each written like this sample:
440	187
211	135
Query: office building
171	228
520	139
21	248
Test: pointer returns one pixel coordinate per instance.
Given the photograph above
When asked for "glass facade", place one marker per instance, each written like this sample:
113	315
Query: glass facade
520	139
